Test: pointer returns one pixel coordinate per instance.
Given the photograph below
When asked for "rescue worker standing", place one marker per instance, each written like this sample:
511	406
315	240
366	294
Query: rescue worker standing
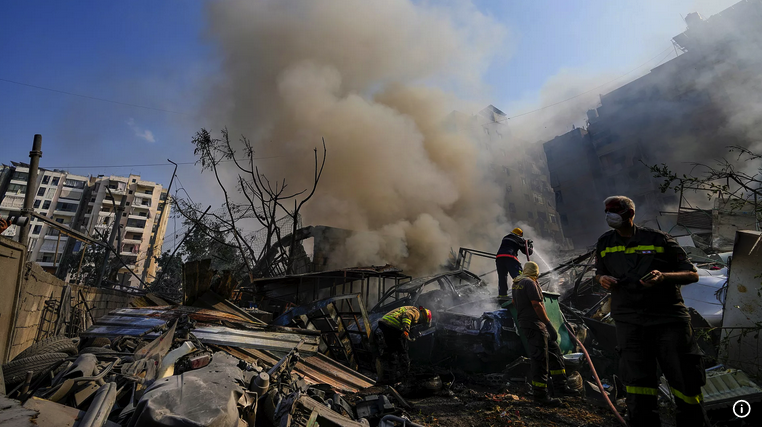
643	269
507	260
395	326
541	337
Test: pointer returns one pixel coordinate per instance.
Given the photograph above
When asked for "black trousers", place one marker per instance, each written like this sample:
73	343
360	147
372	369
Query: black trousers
544	355
673	346
396	344
505	266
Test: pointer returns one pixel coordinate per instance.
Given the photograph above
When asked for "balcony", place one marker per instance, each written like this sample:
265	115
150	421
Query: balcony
139	217
132	241
64	213
133	229
128	254
51	236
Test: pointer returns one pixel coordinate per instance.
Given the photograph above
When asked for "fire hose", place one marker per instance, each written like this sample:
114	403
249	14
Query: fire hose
595	374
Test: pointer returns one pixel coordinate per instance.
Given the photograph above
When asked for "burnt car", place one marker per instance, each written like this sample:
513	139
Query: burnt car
457	291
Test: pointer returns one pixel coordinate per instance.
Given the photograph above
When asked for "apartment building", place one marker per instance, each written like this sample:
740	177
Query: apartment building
88	205
142	225
58	196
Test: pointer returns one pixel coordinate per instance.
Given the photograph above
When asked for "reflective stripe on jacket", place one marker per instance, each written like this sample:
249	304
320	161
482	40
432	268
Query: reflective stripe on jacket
402	318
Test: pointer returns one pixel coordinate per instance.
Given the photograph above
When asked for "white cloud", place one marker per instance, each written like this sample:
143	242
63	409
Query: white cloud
140	132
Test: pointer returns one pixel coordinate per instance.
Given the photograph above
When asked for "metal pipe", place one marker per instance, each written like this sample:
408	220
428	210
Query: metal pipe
34	164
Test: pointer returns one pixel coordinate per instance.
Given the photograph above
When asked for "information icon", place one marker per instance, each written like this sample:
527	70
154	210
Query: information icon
741	409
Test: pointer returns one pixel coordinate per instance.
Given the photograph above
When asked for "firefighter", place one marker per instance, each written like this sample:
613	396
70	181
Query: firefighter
541	337
643	269
507	260
395	326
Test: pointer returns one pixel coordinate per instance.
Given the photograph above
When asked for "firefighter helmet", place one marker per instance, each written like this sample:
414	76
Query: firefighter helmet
425	313
519	232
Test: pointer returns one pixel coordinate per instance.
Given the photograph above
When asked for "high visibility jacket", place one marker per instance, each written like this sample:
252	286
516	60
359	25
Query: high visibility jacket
629	260
511	245
401	318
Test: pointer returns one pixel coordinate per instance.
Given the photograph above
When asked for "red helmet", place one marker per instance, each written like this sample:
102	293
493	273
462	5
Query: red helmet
425	312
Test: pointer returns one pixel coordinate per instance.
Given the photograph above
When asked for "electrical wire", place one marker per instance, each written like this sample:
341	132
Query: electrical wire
152	164
93	97
590	90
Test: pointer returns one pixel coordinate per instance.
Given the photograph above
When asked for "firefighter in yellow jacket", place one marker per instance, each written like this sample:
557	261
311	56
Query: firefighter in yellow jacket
395	326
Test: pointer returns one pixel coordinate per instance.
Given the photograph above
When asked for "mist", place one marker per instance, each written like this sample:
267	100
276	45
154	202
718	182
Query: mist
376	80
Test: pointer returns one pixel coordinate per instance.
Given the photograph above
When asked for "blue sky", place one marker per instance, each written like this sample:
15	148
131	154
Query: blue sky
155	54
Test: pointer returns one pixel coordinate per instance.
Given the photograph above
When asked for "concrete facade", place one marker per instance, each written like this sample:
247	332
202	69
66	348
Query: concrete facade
684	111
142	226
59	196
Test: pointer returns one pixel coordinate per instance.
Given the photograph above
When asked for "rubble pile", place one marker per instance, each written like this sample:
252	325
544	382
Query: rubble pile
213	361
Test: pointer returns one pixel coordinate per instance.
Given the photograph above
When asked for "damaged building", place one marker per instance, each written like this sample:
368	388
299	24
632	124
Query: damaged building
518	168
685	110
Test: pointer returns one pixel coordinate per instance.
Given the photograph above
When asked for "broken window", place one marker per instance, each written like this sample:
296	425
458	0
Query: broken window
46	204
55	181
46	179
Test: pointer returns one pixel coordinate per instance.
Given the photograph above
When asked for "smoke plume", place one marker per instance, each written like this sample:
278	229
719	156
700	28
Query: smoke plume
376	80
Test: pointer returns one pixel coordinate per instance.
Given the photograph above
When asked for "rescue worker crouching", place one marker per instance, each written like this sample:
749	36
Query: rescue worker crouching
507	261
541	337
644	269
395	326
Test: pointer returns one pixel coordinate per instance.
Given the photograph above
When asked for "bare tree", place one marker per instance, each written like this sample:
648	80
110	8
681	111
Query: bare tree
264	203
737	187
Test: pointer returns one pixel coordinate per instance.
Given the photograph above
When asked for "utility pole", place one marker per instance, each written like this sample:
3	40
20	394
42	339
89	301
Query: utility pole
34	164
112	236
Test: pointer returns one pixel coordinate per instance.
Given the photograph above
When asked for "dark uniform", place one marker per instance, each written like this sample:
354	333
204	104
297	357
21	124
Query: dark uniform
507	261
652	324
543	350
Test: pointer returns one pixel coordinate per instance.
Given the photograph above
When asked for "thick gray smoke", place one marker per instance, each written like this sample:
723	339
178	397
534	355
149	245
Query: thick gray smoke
364	75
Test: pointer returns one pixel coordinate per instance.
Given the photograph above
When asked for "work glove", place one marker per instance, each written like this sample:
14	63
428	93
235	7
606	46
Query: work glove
530	243
552	334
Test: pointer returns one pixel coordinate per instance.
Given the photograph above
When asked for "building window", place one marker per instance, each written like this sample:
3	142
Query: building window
16	188
46	204
37	203
130	191
530	215
37	229
41	192
128	203
538	198
523	181
55	181
73	183
133	179
60	220
142	214
552	218
92	200
20	176
46	179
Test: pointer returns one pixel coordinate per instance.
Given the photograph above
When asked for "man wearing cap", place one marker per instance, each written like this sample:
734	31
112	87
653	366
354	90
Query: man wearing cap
541	337
395	326
644	269
507	260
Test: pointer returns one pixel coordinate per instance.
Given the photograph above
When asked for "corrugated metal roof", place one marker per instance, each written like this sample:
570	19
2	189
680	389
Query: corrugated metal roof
317	369
138	321
727	386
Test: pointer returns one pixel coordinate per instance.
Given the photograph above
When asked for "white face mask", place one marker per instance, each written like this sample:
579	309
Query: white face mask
614	220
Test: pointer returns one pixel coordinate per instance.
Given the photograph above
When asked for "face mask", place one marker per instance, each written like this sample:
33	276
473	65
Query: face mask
614	220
